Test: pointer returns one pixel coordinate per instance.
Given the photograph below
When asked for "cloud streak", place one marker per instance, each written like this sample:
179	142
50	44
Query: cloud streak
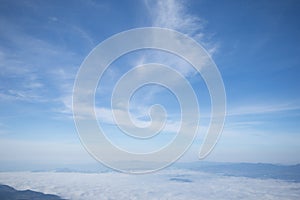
173	14
262	109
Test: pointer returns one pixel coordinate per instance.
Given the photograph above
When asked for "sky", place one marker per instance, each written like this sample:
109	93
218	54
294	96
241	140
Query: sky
255	45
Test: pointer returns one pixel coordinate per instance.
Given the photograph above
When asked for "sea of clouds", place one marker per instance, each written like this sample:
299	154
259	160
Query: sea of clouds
166	184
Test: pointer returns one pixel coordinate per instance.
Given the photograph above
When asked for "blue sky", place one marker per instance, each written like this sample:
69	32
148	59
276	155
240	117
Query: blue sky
254	44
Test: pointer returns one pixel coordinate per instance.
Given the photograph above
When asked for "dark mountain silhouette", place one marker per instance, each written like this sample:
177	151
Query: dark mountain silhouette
9	193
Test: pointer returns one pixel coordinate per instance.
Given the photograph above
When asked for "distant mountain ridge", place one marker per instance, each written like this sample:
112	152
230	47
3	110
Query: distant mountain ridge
250	170
9	193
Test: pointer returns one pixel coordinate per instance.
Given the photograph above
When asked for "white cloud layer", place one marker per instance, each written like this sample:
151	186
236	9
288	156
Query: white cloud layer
167	184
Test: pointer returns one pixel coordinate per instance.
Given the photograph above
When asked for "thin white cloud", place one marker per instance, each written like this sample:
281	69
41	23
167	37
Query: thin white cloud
173	14
105	116
169	14
262	108
30	68
85	36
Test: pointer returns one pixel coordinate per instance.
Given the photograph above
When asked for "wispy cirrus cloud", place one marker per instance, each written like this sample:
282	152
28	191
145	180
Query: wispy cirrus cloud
173	14
253	109
169	14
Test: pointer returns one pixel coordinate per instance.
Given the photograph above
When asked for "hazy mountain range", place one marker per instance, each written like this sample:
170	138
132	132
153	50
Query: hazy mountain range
251	170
